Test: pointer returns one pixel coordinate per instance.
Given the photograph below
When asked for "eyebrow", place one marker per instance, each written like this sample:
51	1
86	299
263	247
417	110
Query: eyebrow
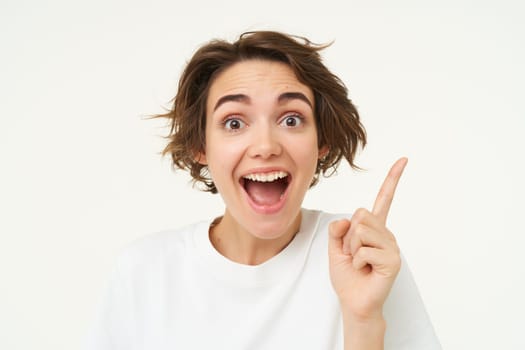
287	96
232	98
284	97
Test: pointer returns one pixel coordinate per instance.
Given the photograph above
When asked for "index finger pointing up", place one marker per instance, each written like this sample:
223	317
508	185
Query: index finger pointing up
386	193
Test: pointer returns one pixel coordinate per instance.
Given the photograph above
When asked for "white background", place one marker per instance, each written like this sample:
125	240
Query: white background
440	82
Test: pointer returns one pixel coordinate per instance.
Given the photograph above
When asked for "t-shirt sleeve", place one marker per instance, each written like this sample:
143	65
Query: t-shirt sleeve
408	324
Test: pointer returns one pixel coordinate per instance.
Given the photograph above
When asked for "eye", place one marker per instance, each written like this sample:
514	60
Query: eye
292	121
233	124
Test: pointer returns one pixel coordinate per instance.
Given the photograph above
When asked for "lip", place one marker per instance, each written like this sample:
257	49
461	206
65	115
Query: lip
266	209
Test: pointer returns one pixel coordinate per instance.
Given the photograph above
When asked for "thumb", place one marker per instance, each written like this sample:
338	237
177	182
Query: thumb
336	231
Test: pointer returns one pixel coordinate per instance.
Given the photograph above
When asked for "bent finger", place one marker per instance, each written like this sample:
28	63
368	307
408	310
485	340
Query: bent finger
336	231
382	261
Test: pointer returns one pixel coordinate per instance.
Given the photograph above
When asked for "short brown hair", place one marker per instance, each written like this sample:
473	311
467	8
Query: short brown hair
337	120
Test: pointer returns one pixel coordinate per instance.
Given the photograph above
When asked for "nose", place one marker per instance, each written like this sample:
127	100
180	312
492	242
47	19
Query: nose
265	143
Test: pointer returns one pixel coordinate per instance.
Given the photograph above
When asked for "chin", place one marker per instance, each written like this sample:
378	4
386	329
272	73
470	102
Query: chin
275	226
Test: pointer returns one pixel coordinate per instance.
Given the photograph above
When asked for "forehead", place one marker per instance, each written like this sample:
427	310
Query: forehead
257	79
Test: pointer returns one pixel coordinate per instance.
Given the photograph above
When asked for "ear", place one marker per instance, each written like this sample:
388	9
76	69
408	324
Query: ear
323	151
200	157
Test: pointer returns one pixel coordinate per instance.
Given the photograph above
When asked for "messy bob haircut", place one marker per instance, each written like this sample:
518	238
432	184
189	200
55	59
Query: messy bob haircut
337	121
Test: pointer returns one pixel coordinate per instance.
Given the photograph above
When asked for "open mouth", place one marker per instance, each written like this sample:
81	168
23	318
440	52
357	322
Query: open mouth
266	189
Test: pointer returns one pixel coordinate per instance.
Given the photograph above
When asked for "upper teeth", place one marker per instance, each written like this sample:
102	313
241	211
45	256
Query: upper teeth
266	177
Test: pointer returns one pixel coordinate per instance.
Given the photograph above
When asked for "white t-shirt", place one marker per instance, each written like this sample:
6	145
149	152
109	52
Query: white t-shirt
173	290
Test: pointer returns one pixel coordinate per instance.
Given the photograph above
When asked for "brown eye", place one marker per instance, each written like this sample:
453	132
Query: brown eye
233	124
292	121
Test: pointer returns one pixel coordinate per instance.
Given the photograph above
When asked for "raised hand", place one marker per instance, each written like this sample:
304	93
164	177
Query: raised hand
364	256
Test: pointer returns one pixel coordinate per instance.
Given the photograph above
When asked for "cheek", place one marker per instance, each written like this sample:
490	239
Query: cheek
222	158
307	155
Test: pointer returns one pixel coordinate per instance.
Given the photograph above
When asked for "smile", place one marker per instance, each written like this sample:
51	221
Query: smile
266	190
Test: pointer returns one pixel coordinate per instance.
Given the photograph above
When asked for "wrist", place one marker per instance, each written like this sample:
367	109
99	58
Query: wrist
371	323
364	331
361	314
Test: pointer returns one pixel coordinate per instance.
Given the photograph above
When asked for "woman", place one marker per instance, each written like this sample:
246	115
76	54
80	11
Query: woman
257	121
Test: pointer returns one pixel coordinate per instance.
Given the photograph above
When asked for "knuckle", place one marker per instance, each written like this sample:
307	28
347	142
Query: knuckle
359	230
396	261
363	254
359	214
398	251
392	238
354	244
359	234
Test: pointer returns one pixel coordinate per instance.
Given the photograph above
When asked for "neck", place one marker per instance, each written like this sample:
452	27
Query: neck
239	245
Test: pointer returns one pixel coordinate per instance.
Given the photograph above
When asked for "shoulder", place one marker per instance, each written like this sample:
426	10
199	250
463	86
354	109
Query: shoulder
154	248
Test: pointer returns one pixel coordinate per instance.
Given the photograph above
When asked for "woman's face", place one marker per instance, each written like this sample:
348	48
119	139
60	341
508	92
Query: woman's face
261	145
